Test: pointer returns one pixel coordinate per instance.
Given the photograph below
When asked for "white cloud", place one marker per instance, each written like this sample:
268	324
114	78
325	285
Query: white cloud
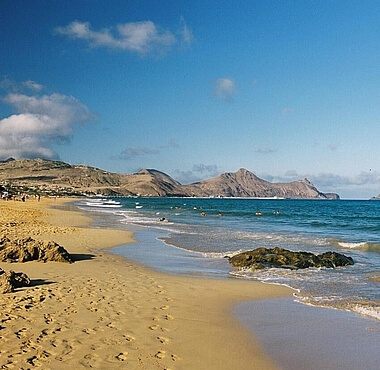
133	152
365	184
130	153
40	123
186	33
206	168
200	172
139	37
33	85
225	88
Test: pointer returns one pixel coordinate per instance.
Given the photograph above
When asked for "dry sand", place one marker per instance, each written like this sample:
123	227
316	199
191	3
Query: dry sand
106	312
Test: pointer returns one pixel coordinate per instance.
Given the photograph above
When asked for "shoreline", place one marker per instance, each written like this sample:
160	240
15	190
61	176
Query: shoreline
300	336
106	311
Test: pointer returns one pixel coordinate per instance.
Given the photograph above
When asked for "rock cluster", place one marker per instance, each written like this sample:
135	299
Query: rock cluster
28	249
282	258
11	280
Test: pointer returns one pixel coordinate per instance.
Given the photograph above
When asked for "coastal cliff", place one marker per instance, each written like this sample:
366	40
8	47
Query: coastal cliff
52	177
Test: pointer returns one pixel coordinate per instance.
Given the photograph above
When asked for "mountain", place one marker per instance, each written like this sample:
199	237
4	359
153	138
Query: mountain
56	175
244	183
152	182
46	176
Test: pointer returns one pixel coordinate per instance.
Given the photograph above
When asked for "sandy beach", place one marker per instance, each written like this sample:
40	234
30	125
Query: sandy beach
106	312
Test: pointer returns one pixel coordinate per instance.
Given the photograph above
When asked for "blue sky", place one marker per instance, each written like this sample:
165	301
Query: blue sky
286	89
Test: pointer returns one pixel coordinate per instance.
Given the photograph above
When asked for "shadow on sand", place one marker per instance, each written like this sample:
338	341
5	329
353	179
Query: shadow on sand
38	282
82	257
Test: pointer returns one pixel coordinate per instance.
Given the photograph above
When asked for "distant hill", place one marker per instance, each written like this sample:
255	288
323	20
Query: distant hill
40	174
244	183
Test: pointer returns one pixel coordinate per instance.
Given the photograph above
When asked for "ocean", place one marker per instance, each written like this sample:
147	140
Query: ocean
192	236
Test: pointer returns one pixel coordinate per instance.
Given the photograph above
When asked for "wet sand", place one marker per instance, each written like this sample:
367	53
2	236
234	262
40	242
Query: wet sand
298	336
104	311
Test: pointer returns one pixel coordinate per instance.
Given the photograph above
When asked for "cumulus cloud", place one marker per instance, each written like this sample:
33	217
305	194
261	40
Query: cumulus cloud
40	122
139	37
225	88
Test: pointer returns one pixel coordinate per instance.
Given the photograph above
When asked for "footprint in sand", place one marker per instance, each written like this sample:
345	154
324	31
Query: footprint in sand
48	318
175	357
21	333
89	331
129	338
122	356
163	340
160	354
33	361
168	317
43	355
154	327
91	360
43	334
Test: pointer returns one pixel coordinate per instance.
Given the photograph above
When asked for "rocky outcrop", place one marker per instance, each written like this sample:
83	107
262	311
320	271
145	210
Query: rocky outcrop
28	249
261	258
9	281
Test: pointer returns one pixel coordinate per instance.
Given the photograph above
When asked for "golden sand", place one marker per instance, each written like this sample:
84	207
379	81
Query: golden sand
106	312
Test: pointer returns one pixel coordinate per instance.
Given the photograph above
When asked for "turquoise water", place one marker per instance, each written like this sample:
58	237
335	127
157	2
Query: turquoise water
177	238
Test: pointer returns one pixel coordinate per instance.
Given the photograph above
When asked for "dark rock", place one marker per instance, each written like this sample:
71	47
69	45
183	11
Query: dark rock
9	281
28	249
282	258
